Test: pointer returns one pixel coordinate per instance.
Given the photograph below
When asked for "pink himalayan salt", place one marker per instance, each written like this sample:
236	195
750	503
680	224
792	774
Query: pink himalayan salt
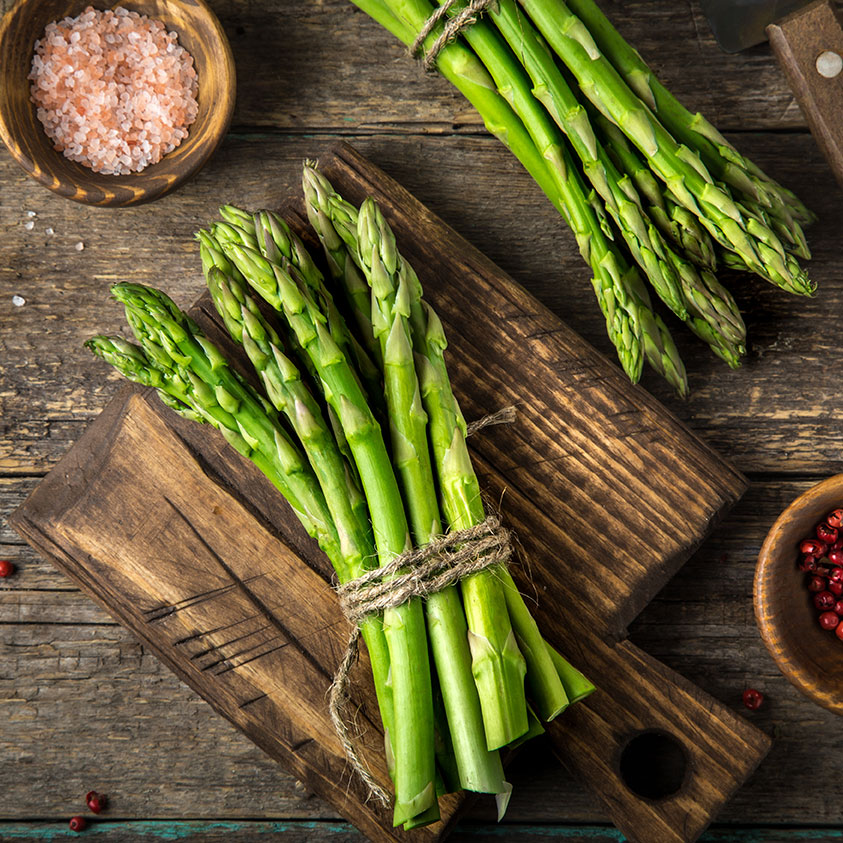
113	89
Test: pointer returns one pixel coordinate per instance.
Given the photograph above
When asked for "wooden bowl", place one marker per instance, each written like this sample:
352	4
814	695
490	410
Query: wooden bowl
199	32
810	657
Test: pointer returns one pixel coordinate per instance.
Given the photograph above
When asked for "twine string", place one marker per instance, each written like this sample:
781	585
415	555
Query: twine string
415	573
506	415
462	20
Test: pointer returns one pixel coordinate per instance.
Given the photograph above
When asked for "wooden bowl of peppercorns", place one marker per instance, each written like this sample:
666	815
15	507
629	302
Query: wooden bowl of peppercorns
799	593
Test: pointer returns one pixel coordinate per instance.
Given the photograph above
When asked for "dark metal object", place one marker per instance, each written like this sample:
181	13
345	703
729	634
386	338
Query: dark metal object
738	24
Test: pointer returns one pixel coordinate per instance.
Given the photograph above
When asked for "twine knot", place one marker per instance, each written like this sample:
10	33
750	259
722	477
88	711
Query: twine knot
462	20
426	570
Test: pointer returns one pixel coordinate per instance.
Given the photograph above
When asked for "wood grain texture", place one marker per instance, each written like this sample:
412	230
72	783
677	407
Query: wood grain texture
246	831
582	430
768	416
798	40
585	440
328	80
200	33
341	70
233	611
87	705
84	704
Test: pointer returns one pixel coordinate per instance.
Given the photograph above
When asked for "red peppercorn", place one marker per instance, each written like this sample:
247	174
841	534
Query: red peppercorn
835	557
836	588
808	564
824	600
96	801
838	631
826	533
813	546
78	823
835	519
836	574
6	568
829	620
837	608
816	583
752	699
838	545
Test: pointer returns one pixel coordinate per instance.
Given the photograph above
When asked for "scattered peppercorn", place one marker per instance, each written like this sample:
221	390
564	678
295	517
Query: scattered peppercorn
78	823
808	563
7	568
813	546
752	699
826	533
817	583
96	801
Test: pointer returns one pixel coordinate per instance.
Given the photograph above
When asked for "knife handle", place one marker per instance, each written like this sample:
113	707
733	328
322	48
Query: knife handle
809	46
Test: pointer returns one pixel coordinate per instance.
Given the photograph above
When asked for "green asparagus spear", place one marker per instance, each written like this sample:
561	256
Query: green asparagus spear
479	768
212	255
460	66
693	130
175	356
617	191
461	497
678	166
673	220
290	396
285	289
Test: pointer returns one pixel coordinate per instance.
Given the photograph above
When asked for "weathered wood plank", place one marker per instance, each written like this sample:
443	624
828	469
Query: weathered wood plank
339	70
771	415
302	831
701	625
220	600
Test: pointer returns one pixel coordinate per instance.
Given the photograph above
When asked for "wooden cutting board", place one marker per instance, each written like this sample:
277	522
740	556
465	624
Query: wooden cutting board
190	547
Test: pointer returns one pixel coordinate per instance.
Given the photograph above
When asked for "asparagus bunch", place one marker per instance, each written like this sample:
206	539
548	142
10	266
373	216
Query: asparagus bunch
365	236
652	192
357	426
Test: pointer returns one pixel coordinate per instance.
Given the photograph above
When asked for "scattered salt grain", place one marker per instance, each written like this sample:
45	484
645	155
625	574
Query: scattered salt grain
49	231
18	301
113	89
31	214
29	225
79	246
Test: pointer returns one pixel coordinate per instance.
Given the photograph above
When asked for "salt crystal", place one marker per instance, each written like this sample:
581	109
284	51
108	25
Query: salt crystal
18	301
79	246
31	214
29	225
49	231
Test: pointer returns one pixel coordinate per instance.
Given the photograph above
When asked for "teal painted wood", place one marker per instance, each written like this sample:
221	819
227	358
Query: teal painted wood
310	831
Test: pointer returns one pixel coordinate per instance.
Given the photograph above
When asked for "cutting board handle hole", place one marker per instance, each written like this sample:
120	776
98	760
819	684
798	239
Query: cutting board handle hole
653	764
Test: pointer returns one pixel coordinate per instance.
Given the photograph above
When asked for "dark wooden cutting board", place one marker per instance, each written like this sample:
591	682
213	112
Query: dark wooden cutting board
190	547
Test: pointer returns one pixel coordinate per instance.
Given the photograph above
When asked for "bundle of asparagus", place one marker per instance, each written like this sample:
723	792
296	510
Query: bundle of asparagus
359	429
649	189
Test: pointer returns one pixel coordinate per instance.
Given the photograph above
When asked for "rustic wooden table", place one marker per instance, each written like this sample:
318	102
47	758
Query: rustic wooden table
83	706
